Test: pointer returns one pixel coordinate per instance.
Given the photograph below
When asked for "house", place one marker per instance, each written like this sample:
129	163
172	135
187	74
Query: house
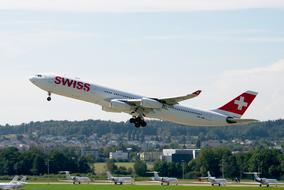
179	155
118	155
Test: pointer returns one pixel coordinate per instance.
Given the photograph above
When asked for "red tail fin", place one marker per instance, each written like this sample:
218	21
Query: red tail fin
238	106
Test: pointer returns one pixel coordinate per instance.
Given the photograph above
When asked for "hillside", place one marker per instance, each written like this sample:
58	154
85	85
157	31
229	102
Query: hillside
268	130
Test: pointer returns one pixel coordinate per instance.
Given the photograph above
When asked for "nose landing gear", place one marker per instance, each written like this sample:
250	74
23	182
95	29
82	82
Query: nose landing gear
49	98
138	122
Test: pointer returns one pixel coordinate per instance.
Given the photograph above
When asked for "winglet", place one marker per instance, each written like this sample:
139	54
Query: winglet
196	93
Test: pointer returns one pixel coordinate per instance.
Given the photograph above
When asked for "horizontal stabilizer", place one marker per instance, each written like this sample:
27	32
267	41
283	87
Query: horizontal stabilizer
241	121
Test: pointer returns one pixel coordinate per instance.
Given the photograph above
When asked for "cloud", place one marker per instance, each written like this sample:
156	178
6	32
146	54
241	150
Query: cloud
20	43
137	5
268	81
228	37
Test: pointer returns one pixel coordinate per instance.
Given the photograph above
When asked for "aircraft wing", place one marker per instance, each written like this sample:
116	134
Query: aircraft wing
124	179
172	179
168	101
221	180
176	100
272	181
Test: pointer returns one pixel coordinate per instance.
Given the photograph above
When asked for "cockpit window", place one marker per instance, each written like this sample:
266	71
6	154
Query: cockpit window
39	75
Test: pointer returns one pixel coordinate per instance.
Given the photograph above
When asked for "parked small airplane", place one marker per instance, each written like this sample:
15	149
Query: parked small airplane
164	180
214	180
139	107
119	180
76	179
263	181
14	183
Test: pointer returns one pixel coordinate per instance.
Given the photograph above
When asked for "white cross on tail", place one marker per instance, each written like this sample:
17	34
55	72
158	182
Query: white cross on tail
241	103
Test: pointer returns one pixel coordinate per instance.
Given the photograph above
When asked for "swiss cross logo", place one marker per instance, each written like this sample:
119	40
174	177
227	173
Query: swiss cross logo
241	103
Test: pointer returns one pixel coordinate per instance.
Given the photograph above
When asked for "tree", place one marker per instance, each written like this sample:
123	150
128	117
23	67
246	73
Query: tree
111	165
83	166
8	159
140	168
38	166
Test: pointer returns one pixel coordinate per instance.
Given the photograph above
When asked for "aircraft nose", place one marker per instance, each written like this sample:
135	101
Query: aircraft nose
32	79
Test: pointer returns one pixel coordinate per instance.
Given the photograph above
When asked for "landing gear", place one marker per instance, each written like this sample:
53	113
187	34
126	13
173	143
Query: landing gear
132	120
49	98
138	122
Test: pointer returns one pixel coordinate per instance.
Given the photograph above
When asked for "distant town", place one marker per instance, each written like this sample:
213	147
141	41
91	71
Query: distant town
103	140
93	147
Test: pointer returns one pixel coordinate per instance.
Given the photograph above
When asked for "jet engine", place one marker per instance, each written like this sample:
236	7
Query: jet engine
231	120
150	103
119	105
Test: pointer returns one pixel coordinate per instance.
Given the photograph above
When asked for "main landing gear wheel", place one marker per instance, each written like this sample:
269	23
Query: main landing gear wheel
132	120
138	122
143	123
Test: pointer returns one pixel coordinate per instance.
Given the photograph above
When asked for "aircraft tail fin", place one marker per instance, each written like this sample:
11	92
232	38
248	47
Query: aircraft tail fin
208	173
67	173
24	179
156	175
237	107
16	178
255	174
109	176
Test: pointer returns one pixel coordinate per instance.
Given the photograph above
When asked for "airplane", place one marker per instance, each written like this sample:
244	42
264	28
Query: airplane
119	180
214	180
14	183
140	107
263	181
76	179
166	180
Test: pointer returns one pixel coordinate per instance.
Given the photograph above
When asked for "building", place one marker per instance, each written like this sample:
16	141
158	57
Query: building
179	155
118	155
90	152
150	156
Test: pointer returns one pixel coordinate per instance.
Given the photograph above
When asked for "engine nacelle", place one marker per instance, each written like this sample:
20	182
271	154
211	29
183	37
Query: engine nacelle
230	120
109	109
150	103
119	105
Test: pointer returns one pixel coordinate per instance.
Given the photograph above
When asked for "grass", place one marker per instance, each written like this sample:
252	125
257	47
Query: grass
128	187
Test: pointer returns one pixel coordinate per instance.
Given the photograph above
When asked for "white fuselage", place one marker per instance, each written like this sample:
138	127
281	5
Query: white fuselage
265	181
121	180
77	89
215	181
11	185
166	180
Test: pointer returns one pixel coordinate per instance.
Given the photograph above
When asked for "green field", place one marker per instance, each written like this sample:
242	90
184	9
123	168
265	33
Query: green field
128	187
